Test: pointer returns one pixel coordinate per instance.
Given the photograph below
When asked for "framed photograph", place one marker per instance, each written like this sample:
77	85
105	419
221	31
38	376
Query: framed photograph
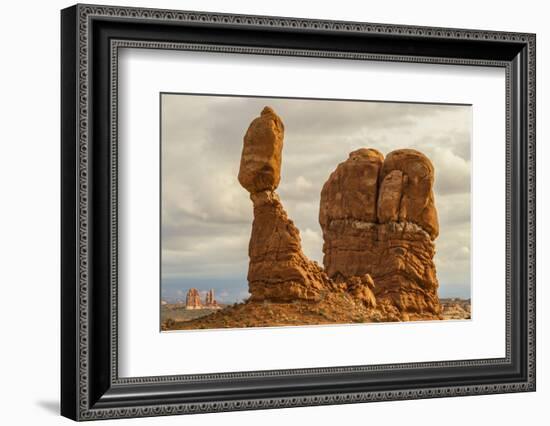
263	212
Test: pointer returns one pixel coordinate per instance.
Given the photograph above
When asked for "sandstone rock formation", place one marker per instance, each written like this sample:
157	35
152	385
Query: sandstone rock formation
211	301
193	299
278	269
378	217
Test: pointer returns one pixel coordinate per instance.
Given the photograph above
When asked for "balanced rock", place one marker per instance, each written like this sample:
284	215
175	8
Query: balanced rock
261	156
394	246
278	269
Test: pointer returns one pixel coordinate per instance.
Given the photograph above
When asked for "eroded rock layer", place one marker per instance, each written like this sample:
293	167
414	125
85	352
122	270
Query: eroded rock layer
394	246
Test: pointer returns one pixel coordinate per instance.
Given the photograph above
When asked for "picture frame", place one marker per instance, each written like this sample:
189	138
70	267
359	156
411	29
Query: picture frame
90	384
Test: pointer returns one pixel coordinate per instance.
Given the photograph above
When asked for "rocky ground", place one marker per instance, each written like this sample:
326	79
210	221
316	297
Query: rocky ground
334	308
456	309
178	312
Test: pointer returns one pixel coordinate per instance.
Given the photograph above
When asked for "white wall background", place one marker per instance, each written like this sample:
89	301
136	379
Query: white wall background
29	212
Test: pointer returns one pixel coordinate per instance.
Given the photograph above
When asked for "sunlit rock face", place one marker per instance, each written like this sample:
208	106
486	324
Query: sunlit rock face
378	217
352	189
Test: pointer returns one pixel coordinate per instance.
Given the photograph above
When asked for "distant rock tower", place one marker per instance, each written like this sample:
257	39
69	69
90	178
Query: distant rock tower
211	300
210	296
193	299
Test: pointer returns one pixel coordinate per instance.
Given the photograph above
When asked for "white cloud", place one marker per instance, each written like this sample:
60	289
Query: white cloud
452	173
302	184
312	244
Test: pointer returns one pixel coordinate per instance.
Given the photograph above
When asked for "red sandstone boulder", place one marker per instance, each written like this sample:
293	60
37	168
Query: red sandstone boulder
261	156
361	288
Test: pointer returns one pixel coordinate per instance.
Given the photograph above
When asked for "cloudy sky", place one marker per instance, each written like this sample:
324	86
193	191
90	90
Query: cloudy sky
207	215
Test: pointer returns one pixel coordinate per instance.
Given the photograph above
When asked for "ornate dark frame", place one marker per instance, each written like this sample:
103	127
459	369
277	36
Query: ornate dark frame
91	37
